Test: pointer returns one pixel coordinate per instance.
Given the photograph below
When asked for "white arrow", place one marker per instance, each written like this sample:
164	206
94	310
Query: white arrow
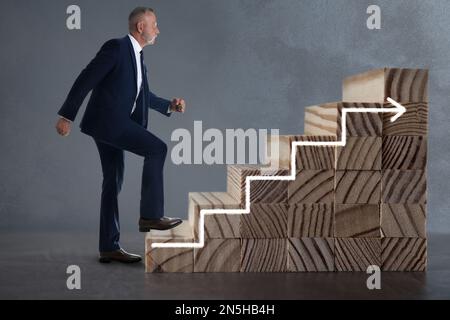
399	110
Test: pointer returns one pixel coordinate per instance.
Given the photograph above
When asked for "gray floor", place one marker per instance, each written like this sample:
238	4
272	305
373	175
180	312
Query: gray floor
33	266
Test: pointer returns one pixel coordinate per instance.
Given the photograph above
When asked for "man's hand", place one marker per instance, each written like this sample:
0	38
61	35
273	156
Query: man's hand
63	127
178	105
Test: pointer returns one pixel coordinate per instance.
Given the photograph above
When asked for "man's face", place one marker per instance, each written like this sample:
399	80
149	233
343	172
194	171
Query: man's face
150	31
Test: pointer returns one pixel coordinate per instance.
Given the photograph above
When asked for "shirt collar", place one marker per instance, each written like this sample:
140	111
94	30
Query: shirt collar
136	46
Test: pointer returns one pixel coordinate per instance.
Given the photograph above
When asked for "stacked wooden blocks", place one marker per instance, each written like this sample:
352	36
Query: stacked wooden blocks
349	207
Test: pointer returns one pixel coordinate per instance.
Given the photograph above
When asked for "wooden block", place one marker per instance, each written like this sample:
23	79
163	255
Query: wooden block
310	255
414	122
404	186
321	120
264	255
404	152
217	226
218	255
356	254
402	85
403	220
264	191
404	254
315	157
169	259
366	124
312	186
265	221
310	220
358	187
279	151
357	221
359	154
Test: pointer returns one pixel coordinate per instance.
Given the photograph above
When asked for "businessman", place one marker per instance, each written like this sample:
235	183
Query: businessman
116	118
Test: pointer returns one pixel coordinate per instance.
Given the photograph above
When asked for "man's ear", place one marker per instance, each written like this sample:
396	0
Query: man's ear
140	26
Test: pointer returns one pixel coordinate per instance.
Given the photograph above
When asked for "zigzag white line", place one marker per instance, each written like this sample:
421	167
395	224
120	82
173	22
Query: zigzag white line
399	110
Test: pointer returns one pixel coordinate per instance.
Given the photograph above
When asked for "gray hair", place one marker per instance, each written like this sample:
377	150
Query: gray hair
136	15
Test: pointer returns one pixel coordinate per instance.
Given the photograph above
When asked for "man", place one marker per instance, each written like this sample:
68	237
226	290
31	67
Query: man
116	118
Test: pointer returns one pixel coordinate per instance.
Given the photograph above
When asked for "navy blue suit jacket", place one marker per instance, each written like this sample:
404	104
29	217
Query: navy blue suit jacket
112	77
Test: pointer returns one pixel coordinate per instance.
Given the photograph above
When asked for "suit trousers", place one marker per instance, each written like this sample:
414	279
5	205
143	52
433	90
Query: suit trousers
137	140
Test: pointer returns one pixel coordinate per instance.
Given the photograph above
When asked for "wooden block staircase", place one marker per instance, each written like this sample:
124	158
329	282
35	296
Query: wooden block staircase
357	197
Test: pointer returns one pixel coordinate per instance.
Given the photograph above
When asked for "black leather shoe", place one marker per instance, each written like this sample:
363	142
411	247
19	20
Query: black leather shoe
163	223
119	255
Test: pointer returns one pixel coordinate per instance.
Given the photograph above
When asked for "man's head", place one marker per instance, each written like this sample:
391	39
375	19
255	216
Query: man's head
143	26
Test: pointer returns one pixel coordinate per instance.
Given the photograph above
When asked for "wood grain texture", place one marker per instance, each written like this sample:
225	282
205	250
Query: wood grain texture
404	152
364	124
169	259
310	255
357	221
217	226
403	220
314	157
279	151
264	255
358	187
218	255
402	85
312	186
404	186
404	254
356	254
310	220
265	221
359	154
321	120
414	122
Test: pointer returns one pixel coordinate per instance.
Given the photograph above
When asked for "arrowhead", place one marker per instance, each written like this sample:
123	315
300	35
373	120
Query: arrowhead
399	109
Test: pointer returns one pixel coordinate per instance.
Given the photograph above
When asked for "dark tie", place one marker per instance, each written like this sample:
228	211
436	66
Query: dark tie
138	114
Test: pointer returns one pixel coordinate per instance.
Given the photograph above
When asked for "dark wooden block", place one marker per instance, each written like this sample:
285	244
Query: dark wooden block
404	152
310	255
310	220
404	254
404	186
265	221
356	254
315	157
403	220
264	255
414	122
218	255
358	187
366	124
360	154
357	221
312	186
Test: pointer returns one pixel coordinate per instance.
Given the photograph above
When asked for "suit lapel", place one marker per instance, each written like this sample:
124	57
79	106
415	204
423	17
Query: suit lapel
133	59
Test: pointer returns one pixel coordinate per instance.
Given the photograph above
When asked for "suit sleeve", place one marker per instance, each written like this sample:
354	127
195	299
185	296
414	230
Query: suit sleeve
88	79
159	104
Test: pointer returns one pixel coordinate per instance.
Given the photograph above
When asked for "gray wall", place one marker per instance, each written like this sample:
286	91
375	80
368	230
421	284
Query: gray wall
238	64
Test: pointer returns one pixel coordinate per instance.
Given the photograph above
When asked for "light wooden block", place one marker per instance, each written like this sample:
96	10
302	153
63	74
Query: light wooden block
279	151
359	154
404	152
169	259
216	226
404	186
404	254
358	187
414	122
264	255
366	124
310	220
403	220
357	221
402	85
312	186
218	255
356	254
265	221
321	120
265	191
310	255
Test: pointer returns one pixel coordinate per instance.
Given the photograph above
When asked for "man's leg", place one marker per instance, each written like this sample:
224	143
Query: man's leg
112	168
